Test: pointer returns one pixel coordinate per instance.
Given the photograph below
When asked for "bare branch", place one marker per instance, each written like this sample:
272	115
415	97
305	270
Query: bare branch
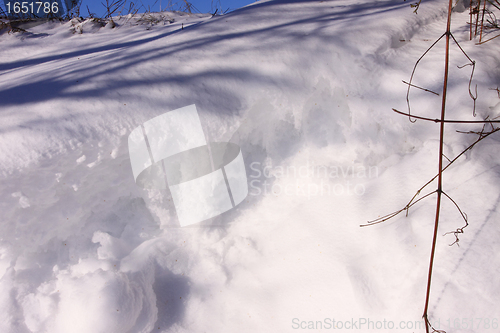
413	73
459	230
435	93
448	121
482	136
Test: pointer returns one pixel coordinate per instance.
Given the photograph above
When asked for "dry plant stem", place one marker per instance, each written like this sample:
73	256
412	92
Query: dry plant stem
473	64
424	89
497	90
440	173
410	84
458	230
482	135
477	16
413	73
470	20
482	22
405	208
488	40
447	120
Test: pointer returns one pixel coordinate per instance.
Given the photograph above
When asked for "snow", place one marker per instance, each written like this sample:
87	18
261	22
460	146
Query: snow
305	88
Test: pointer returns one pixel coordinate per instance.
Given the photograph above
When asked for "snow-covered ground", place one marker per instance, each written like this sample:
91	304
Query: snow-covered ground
305	88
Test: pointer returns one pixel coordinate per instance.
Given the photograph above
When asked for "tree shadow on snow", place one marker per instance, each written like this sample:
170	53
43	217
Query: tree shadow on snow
117	57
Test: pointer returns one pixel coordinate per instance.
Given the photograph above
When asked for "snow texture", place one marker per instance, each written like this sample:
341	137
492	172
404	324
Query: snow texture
305	88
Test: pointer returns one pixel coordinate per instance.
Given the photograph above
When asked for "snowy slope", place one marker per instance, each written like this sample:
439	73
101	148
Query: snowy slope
305	88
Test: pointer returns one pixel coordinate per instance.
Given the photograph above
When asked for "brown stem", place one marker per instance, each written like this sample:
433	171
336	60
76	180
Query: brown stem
440	170
448	120
488	40
482	22
470	20
477	16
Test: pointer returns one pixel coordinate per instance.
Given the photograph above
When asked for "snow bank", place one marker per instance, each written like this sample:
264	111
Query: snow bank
305	88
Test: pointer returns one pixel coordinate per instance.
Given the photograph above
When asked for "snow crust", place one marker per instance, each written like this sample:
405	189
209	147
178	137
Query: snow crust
305	88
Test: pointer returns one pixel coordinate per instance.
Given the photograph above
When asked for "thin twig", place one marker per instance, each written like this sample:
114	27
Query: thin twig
482	135
435	93
488	40
428	324
473	64
497	90
405	208
413	73
459	230
447	120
